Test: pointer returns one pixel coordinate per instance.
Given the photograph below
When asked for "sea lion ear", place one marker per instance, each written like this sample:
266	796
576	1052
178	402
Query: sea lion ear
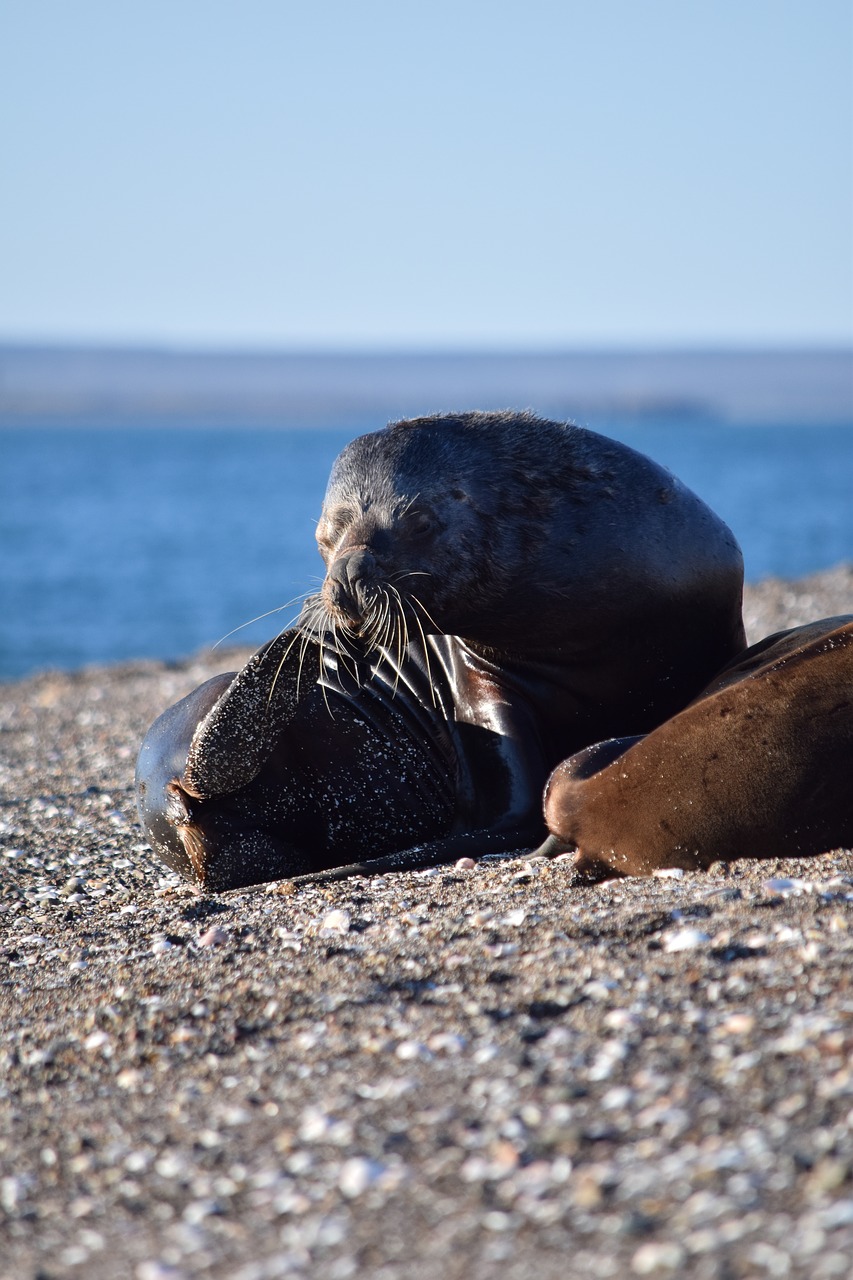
234	739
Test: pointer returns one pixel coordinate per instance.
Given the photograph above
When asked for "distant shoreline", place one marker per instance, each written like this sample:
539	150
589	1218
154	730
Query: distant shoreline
77	385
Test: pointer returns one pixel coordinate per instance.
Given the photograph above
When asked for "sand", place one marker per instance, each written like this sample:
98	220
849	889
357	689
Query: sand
454	1073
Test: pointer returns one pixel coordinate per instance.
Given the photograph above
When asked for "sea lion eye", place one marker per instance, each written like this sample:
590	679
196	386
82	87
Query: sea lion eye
419	524
330	532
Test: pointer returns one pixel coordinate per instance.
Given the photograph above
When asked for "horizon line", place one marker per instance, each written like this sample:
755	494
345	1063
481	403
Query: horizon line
179	347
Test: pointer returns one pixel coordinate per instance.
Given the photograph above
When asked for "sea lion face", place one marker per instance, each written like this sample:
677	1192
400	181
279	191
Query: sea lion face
374	551
402	531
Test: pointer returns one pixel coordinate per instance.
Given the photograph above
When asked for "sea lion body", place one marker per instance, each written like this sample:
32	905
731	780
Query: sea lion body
759	765
308	760
572	561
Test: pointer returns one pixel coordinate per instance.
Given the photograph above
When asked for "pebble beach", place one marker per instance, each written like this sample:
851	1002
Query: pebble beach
475	1071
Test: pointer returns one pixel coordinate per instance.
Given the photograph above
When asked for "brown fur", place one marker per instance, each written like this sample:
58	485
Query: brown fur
760	765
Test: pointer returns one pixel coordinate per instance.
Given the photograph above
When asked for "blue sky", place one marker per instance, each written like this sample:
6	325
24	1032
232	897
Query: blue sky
504	173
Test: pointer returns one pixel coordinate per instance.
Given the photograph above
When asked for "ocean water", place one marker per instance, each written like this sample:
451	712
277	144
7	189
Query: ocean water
150	541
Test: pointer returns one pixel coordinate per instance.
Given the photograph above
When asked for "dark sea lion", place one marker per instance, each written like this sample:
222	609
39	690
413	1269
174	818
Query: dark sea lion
758	766
569	560
308	759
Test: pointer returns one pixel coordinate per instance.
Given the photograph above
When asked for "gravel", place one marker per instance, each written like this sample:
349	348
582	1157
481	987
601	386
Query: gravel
473	1071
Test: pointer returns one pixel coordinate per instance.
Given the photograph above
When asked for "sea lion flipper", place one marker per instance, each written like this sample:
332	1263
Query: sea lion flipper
234	739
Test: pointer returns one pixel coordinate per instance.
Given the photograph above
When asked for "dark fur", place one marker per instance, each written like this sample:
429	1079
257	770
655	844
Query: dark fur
562	555
303	762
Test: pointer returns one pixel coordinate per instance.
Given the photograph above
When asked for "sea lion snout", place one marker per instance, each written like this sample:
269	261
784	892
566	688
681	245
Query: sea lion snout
350	585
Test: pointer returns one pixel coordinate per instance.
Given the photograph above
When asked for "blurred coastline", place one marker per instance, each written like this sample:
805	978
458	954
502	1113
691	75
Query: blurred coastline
103	386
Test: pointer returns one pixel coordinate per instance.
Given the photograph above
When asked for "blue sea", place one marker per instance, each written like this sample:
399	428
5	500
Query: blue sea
120	542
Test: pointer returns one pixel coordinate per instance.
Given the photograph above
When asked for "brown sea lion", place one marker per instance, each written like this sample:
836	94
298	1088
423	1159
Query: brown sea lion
758	766
569	560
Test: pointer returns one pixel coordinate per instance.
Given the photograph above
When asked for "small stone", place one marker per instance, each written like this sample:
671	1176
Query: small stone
284	888
11	1193
738	1024
617	1098
337	921
358	1174
497	1221
446	1042
784	886
828	1175
213	937
685	940
408	1050
837	1214
465	864
171	1164
655	1257
197	1210
158	1271
97	1040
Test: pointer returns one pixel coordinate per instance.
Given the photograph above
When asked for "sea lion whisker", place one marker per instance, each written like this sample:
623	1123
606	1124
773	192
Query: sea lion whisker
395	637
282	661
420	604
410	573
410	503
381	633
403	621
384	628
402	624
426	659
322	669
303	595
344	658
303	649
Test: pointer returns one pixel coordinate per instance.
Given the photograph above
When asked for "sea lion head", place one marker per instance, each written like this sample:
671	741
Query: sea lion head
566	805
414	530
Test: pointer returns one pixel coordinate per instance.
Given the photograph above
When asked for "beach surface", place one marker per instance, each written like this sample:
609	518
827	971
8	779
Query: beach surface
454	1073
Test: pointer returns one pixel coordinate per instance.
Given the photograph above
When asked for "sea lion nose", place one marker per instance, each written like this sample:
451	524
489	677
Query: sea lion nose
350	582
360	569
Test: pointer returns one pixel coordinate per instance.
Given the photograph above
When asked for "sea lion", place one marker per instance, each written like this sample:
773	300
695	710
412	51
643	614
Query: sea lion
758	766
570	560
310	758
